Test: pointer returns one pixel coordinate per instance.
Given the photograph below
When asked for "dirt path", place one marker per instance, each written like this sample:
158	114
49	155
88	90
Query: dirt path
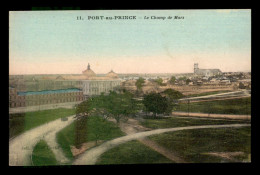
167	153
21	147
132	126
235	94
54	146
91	156
226	116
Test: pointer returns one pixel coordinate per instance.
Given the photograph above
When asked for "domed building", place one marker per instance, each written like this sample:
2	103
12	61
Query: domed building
111	74
95	85
89	83
88	72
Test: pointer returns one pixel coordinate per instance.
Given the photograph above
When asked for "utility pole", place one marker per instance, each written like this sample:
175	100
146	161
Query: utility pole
188	107
247	110
208	108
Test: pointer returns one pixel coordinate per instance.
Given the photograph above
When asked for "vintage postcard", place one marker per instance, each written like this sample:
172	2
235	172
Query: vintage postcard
104	87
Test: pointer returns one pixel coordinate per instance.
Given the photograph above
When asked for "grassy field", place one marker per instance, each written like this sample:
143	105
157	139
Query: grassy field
193	145
207	93
232	106
42	155
180	122
19	123
132	152
108	131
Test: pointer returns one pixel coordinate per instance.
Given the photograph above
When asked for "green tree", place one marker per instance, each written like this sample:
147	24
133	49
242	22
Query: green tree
171	95
155	103
84	108
80	131
99	128
182	78
120	105
172	80
139	83
159	81
188	81
115	105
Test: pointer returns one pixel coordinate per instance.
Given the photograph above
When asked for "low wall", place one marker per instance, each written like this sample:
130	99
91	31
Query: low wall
42	107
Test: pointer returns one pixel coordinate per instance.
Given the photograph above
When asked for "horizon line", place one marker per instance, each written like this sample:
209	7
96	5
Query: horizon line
124	73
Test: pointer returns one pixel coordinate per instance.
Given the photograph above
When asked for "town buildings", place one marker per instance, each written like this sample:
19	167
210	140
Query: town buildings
205	72
61	88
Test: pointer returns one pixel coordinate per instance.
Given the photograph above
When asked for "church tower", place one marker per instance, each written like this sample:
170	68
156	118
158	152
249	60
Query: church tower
88	66
196	67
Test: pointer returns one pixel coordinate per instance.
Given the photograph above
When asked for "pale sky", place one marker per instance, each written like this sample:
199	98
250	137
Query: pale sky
55	42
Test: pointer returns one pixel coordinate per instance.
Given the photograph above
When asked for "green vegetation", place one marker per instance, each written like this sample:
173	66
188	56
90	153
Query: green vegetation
232	106
121	105
193	145
172	80
180	122
139	83
132	152
115	105
182	78
159	81
172	94
19	123
67	136
16	124
42	155
208	93
155	103
188	81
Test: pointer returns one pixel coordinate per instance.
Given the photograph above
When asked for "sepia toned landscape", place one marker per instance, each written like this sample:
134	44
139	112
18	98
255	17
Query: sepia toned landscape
131	87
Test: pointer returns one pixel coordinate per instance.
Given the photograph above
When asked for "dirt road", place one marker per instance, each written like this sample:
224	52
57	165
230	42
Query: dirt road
21	147
91	156
224	116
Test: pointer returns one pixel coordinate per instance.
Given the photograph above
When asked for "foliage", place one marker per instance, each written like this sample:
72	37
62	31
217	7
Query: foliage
84	108
120	105
99	128
155	103
159	81
96	129
139	83
172	80
188	81
172	94
80	131
182	78
115	105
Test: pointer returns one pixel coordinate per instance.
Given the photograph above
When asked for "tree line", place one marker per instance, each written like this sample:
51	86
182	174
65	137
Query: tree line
120	105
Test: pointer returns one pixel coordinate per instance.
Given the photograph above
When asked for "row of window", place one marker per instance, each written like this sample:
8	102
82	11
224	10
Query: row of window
32	103
11	96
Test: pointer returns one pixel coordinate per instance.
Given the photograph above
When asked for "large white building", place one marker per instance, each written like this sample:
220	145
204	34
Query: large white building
94	85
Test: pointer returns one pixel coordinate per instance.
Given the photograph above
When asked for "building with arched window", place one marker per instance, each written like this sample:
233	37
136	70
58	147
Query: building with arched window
62	88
